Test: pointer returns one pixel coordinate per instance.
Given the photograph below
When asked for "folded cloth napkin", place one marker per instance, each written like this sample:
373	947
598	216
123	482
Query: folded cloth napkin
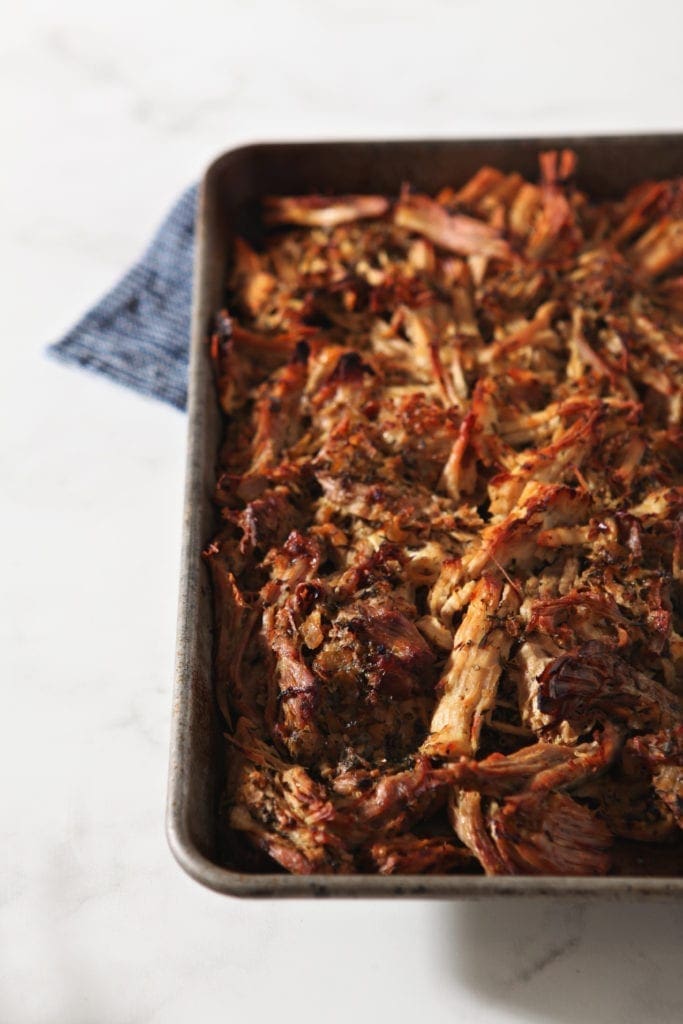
138	332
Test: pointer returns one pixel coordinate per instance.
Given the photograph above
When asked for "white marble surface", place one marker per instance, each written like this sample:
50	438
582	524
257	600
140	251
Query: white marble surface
107	112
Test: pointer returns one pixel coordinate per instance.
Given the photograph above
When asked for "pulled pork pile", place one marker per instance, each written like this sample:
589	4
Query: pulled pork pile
450	555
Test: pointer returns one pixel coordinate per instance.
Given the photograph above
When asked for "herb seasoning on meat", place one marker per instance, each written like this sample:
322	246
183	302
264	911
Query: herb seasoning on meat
447	580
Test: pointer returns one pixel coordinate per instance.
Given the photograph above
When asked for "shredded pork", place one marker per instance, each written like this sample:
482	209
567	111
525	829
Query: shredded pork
447	577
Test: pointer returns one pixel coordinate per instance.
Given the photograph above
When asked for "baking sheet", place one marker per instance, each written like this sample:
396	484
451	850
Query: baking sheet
228	205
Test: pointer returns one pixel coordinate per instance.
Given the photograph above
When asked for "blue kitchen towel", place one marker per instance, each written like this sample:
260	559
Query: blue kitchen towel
138	333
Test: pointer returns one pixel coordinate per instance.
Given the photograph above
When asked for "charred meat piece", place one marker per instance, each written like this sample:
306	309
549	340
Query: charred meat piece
516	539
548	833
541	833
343	824
537	767
411	855
468	817
634	800
663	754
456	232
593	684
468	687
236	619
315	211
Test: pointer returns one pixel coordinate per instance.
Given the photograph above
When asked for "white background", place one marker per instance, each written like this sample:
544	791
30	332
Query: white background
108	111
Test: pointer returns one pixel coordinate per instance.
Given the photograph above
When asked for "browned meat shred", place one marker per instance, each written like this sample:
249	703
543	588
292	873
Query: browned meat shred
448	574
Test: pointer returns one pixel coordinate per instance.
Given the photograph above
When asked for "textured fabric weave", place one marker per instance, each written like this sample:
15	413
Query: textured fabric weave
138	333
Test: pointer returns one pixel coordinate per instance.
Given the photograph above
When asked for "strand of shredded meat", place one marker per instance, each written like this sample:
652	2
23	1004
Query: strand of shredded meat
448	570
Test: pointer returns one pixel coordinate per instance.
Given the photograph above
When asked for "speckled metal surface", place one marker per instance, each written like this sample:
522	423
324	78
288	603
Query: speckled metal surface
228	203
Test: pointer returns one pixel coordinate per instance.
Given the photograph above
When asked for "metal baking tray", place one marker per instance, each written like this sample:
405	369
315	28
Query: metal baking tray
228	205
